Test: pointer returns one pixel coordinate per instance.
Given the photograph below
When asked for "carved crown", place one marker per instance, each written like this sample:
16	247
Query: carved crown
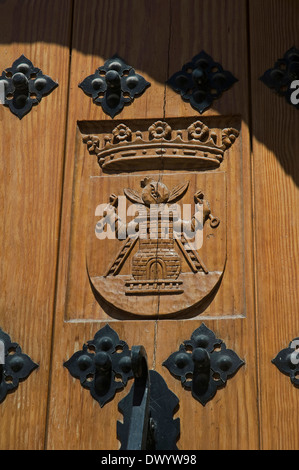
195	148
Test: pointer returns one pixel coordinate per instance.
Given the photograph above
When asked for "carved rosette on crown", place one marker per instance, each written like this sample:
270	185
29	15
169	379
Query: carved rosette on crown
161	147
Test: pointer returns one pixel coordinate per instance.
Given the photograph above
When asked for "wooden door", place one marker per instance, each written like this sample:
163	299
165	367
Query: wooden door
51	184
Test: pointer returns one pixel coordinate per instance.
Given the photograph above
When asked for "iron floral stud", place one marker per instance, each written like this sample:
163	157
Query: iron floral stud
280	77
114	85
24	86
100	363
201	81
15	366
287	361
203	364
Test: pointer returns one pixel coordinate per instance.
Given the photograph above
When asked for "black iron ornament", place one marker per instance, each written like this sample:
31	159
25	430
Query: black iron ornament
114	85
206	359
201	81
283	74
148	410
104	365
287	361
24	86
100	363
17	366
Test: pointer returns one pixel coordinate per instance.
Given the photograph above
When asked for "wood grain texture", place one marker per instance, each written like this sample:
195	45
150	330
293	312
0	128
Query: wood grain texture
273	30
157	39
230	420
32	153
254	410
102	28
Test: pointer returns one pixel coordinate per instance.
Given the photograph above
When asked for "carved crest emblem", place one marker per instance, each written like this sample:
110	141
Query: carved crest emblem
158	231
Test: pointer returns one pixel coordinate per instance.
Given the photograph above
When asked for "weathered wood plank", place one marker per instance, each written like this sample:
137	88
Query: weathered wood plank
138	32
230	420
274	28
32	154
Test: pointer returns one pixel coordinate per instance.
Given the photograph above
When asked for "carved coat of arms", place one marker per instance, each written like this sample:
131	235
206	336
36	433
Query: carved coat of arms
159	227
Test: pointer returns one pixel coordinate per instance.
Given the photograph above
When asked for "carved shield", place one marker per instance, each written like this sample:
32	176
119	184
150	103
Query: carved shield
157	234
